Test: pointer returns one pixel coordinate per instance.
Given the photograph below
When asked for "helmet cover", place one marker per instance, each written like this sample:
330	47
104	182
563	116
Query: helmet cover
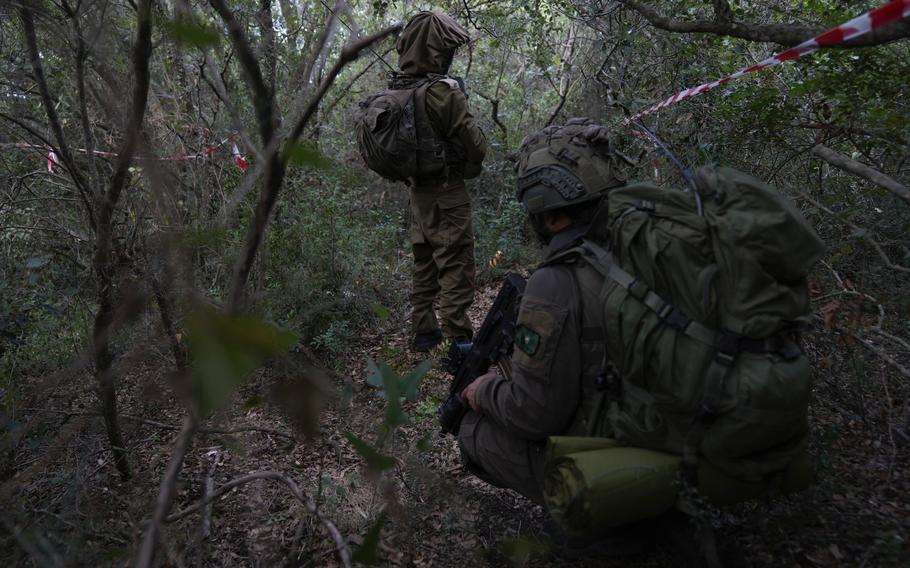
566	165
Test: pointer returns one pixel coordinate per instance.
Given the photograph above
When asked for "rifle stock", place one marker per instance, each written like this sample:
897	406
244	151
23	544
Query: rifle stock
492	345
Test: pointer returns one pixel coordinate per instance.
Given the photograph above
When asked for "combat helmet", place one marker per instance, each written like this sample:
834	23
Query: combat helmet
567	165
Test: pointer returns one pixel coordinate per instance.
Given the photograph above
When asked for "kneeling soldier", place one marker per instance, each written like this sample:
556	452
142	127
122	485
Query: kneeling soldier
564	172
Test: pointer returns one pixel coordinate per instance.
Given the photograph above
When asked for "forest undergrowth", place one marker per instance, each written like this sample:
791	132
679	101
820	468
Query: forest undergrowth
424	509
204	354
302	417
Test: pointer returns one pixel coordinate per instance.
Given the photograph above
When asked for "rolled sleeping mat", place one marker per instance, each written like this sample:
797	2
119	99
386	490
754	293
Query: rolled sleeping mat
592	484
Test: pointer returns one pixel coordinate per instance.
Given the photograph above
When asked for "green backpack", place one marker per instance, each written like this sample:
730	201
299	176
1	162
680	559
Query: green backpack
702	314
395	137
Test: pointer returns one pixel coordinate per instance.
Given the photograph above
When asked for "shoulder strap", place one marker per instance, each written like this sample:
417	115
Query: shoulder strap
424	128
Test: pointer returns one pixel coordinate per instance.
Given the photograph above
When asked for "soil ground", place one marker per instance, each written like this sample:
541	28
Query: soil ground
65	504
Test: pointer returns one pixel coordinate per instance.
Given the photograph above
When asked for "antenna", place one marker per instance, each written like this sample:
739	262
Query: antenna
686	173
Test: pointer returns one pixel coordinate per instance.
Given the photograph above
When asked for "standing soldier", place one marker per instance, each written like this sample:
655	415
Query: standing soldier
440	230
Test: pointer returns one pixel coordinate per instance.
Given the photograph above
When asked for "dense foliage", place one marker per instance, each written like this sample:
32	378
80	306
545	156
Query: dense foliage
140	280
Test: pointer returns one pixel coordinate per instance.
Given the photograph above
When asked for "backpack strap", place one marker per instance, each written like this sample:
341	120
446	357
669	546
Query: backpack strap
430	148
727	346
422	123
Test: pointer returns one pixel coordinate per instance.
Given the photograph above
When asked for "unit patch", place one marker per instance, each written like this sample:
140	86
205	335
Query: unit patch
527	340
537	334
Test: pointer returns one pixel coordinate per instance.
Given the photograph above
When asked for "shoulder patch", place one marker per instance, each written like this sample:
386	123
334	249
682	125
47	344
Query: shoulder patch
537	332
527	340
451	83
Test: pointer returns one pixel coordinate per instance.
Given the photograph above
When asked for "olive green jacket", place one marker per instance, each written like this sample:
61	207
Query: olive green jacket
559	351
451	118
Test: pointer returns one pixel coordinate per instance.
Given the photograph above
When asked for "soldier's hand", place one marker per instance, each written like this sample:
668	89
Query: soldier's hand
470	393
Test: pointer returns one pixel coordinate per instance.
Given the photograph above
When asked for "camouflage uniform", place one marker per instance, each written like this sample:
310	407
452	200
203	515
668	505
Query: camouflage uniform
559	337
552	383
440	227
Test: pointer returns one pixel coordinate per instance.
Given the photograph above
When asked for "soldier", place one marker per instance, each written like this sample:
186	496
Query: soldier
559	343
564	383
440	229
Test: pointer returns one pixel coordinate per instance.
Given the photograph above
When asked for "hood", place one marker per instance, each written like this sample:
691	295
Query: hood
426	44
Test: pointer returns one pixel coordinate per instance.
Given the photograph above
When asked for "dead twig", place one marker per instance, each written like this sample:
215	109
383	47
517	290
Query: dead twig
208	490
165	426
859	230
878	351
166	492
341	546
871	175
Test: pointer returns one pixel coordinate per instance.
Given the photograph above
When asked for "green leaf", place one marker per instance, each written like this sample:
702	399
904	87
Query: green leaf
374	379
413	380
192	33
226	349
396	389
381	311
366	553
391	389
307	155
376	462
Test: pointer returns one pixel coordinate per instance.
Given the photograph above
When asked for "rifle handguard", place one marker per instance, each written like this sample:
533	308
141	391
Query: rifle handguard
492	343
450	414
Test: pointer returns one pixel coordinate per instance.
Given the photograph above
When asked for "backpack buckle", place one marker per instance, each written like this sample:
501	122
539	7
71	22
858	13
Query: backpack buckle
674	317
728	347
638	289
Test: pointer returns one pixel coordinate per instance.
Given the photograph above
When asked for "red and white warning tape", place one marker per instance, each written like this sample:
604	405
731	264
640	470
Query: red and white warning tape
238	157
887	14
53	160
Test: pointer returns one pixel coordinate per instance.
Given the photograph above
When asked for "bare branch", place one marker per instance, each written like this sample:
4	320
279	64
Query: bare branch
784	34
346	90
166	492
165	426
80	56
344	552
880	179
866	237
260	92
277	164
31	41
274	176
348	54
880	352
101	262
494	110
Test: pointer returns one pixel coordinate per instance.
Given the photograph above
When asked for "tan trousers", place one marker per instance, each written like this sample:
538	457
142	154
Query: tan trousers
442	238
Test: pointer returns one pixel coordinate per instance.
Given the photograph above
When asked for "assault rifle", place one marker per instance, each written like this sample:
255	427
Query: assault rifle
492	345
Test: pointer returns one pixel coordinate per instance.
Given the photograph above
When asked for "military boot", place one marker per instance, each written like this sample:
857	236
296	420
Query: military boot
424	342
